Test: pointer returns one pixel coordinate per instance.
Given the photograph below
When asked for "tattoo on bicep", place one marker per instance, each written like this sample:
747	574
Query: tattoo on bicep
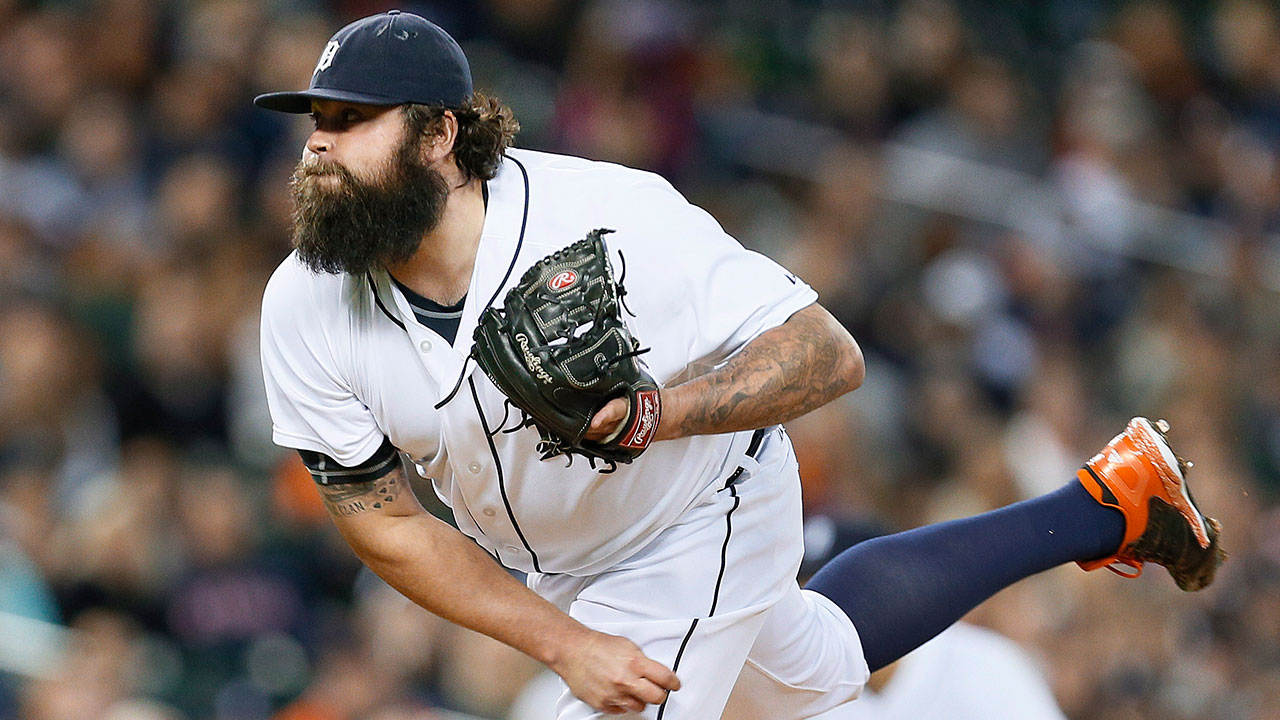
354	498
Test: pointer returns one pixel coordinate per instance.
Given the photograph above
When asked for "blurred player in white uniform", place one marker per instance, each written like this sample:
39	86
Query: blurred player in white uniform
659	589
965	673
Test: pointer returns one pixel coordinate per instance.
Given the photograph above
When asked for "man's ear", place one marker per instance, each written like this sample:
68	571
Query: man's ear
440	137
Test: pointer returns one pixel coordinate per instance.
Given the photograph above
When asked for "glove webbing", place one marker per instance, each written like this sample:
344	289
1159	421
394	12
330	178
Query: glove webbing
550	446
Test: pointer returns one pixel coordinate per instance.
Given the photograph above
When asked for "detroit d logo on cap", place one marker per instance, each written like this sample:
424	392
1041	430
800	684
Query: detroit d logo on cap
326	57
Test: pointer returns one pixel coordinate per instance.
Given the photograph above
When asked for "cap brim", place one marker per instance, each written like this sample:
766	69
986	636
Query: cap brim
299	102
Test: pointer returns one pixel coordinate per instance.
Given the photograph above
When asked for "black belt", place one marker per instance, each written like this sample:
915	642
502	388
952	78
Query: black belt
757	438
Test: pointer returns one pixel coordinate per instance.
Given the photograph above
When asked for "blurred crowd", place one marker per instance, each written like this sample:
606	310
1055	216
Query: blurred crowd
1038	219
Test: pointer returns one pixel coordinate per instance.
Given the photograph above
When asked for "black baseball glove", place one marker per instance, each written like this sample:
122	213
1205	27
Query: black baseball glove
559	350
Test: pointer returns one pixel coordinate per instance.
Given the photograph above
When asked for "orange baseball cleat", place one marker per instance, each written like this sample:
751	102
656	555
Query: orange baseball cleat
1138	474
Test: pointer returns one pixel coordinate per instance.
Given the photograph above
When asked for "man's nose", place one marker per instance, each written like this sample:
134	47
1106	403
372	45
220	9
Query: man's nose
319	142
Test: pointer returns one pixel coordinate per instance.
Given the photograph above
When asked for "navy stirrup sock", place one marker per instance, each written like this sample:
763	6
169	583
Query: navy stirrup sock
901	590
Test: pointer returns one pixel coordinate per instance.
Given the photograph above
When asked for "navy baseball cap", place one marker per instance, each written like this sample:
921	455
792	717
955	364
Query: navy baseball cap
388	59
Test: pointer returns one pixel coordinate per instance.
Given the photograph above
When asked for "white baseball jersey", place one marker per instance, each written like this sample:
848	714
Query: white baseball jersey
346	363
349	368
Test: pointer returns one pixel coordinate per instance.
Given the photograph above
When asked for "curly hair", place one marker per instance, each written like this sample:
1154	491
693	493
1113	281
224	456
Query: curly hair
486	129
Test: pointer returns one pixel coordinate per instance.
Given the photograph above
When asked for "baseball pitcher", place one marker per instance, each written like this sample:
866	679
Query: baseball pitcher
593	376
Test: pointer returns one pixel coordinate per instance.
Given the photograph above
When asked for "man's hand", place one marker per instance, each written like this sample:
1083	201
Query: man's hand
612	675
445	572
607	420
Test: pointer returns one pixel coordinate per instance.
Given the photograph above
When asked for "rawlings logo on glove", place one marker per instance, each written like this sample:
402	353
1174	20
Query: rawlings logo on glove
559	350
531	360
563	280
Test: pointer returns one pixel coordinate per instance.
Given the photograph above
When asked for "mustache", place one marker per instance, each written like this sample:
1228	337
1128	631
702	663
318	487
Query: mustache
317	168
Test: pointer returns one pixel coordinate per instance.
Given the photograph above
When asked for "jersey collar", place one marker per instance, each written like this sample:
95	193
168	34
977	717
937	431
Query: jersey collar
501	239
505	221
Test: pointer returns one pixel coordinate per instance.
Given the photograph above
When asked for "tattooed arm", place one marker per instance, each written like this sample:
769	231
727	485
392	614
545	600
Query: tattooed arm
442	570
799	366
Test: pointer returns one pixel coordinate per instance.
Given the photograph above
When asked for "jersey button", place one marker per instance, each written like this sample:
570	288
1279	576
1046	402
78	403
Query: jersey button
512	549
474	468
425	346
490	512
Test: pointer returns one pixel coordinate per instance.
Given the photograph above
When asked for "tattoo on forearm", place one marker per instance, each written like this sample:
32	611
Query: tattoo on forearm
784	374
355	498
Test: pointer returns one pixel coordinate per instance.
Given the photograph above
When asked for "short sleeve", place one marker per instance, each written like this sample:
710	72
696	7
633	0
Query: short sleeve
312	406
697	294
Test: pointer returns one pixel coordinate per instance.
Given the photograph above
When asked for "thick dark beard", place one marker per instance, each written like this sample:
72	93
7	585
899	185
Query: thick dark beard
354	226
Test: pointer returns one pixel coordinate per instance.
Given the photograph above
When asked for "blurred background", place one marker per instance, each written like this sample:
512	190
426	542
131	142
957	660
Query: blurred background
1037	218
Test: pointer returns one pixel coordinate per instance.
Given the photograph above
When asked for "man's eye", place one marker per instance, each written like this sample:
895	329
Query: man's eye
350	116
